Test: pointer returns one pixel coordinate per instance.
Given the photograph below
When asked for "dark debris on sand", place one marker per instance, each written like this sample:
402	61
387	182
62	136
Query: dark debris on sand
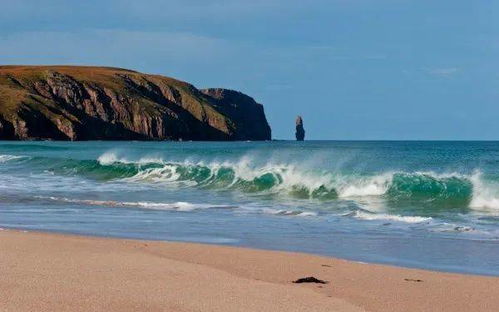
309	279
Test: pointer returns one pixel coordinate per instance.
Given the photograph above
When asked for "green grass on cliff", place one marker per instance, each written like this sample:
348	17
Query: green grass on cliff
10	99
17	88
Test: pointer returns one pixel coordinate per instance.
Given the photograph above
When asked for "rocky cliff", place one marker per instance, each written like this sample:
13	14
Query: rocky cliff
98	103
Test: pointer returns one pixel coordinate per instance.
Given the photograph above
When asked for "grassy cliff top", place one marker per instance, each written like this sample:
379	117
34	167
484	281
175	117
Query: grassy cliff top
17	81
95	74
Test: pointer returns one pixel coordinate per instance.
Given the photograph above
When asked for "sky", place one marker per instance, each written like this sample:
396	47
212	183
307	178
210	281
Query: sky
354	69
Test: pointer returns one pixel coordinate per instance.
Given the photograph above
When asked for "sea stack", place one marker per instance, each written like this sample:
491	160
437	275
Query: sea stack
300	132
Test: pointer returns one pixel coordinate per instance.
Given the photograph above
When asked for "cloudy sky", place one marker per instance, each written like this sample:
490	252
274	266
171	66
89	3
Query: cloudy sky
354	69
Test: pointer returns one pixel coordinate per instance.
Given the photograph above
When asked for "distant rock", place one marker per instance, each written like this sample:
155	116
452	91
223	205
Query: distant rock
102	103
300	131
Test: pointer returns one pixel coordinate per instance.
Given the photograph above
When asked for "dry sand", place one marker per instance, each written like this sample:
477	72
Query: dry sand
52	272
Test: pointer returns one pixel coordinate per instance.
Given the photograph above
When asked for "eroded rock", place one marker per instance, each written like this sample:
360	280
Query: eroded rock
300	131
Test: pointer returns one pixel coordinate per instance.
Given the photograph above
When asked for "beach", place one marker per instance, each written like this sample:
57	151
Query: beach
59	272
249	156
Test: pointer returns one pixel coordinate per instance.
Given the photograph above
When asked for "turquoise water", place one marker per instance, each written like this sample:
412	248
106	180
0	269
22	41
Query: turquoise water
419	204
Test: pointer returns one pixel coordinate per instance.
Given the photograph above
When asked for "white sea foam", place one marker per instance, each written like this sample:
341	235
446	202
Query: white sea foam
177	206
485	197
167	173
108	158
380	216
6	158
284	212
111	157
365	186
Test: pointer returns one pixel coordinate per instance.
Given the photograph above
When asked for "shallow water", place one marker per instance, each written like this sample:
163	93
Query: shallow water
420	204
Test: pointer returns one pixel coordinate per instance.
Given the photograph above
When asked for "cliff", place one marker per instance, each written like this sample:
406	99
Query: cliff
99	103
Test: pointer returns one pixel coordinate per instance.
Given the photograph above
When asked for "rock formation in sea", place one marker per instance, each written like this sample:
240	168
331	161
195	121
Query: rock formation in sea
300	131
101	103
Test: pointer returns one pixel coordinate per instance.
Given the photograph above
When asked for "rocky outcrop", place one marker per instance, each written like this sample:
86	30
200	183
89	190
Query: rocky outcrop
247	115
96	103
300	131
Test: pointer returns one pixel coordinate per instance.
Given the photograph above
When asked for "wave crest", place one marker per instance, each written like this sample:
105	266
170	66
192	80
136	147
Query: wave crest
7	158
298	182
286	179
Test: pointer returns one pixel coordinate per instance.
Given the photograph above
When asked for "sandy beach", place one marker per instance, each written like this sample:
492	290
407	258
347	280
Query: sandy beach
54	272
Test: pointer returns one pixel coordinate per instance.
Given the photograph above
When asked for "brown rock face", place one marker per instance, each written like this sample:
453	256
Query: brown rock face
247	115
96	103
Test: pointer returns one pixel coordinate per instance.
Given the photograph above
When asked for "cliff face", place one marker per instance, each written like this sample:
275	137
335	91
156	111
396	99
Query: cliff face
96	103
247	114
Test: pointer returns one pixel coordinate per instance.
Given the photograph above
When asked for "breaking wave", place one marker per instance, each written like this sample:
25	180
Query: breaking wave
292	180
285	179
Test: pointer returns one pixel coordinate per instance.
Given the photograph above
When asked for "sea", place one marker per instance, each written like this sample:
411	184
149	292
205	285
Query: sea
423	204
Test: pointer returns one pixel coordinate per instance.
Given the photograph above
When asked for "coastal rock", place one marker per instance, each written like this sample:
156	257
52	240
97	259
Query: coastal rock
100	103
247	115
300	131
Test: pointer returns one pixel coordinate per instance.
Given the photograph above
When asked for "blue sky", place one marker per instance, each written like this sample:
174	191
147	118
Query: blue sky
354	69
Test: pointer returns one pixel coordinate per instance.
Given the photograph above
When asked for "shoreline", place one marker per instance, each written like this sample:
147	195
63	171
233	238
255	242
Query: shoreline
67	272
332	256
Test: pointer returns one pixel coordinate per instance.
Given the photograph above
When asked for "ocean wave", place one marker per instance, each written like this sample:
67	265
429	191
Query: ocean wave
288	179
179	206
18	147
